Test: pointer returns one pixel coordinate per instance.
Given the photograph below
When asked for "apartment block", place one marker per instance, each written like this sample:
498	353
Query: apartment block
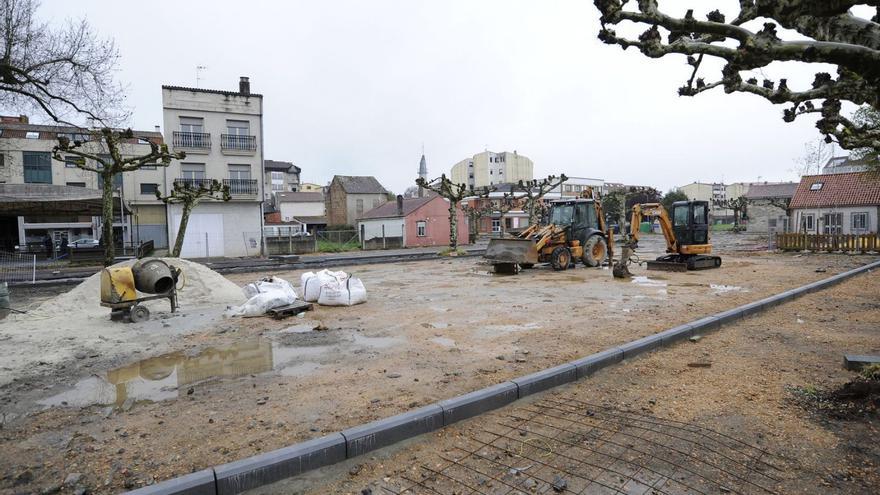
489	168
26	158
221	133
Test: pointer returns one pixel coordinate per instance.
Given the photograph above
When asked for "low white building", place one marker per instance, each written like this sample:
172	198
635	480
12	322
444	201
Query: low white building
222	135
839	203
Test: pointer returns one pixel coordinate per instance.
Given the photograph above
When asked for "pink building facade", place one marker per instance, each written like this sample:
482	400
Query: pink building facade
413	222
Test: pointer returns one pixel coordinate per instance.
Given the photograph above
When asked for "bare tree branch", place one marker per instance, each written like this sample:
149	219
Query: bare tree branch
60	72
835	37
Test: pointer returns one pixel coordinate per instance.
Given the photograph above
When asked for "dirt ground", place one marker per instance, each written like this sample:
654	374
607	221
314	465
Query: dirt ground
739	385
431	330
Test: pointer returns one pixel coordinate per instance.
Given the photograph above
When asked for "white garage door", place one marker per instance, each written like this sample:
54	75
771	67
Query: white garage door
204	235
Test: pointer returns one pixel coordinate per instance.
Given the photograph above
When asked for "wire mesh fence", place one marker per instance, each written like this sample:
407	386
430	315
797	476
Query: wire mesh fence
18	267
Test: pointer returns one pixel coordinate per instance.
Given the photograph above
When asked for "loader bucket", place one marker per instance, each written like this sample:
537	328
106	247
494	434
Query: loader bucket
520	251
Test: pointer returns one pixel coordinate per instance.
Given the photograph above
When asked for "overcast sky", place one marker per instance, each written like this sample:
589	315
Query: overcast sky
357	87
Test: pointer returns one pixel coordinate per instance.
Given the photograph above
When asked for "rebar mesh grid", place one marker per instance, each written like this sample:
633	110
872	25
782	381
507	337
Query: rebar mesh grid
564	445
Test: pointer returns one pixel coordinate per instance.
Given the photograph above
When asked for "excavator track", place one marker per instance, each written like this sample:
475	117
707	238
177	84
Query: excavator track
683	263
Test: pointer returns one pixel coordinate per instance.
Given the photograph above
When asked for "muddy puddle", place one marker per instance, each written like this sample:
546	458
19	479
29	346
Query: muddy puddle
298	352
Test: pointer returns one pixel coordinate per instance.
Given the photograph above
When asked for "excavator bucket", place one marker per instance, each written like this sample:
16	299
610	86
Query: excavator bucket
511	251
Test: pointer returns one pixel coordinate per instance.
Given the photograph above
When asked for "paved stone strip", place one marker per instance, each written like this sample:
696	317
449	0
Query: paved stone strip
263	469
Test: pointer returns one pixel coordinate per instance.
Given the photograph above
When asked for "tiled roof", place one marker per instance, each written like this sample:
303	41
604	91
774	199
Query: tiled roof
299	197
771	190
19	130
212	91
279	165
354	184
849	189
389	209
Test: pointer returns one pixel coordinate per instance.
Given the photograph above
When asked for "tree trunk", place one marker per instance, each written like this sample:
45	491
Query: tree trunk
533	216
181	230
453	225
107	218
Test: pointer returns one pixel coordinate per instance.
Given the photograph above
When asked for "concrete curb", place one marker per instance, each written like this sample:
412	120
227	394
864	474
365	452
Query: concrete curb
270	467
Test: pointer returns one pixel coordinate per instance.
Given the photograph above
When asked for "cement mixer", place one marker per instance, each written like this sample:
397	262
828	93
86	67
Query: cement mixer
120	287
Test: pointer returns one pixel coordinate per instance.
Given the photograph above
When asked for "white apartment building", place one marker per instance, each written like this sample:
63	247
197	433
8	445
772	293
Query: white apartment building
222	135
26	158
489	168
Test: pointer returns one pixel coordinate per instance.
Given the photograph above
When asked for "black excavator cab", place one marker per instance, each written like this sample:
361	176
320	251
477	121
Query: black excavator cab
690	222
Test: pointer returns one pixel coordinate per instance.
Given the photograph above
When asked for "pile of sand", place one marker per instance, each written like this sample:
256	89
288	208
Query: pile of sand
202	287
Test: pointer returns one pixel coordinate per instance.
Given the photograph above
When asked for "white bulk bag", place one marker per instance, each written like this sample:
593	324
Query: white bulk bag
263	295
343	293
312	286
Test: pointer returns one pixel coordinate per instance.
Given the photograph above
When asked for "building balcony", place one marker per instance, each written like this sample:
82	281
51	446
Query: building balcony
236	144
242	187
193	141
237	187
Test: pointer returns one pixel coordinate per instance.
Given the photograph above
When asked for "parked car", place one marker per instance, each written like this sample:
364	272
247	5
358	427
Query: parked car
84	243
301	234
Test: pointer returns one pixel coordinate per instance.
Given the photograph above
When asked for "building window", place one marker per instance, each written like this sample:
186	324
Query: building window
192	171
192	125
832	223
496	225
816	186
73	161
76	184
2	160
238	127
32	135
277	181
149	189
808	222
242	172
421	228
359	206
37	167
860	222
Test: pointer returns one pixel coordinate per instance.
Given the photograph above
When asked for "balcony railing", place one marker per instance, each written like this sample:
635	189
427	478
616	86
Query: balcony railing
193	183
192	140
237	142
241	187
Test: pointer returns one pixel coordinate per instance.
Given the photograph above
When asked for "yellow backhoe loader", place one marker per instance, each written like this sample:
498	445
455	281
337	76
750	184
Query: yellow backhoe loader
576	231
686	233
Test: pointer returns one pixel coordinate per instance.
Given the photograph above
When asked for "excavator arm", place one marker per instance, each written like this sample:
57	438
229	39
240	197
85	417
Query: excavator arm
652	210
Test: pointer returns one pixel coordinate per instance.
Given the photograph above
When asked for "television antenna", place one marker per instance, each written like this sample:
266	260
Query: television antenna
199	69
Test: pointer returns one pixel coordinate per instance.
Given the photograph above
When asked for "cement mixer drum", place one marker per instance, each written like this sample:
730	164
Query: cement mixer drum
154	276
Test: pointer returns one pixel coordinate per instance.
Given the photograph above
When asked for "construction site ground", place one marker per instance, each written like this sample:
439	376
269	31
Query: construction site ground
232	388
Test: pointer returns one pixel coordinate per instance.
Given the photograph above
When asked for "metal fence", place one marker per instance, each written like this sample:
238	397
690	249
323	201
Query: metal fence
337	240
859	243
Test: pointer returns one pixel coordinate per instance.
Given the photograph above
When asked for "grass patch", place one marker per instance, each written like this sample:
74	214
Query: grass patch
337	247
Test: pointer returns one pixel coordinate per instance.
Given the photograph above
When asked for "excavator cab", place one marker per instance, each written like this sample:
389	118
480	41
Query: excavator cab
690	222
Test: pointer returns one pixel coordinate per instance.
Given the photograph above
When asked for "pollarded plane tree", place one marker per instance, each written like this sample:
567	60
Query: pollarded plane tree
104	148
188	194
454	193
751	41
534	190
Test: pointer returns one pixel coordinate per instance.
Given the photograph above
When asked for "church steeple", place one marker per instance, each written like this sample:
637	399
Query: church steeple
423	172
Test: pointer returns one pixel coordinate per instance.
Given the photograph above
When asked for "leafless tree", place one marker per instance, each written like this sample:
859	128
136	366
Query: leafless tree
816	155
411	192
57	71
453	193
104	148
503	205
739	206
534	190
189	195
751	42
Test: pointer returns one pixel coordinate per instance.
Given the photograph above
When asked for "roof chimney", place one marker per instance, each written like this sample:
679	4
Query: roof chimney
244	86
400	205
157	129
